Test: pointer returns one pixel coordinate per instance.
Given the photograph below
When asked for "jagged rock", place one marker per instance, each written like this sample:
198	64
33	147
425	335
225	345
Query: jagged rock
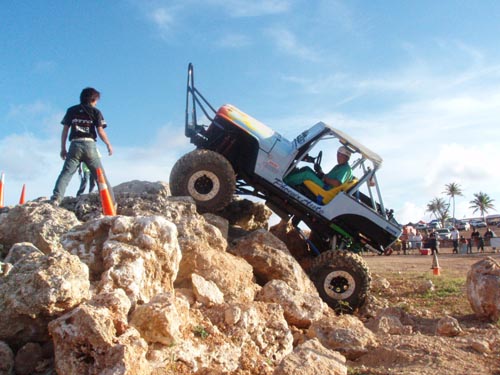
218	222
247	214
28	358
379	283
160	319
206	292
294	242
344	333
38	223
448	326
19	251
271	260
388	324
258	327
87	342
483	288
6	359
204	253
300	309
140	254
118	305
38	288
426	287
312	358
480	346
146	188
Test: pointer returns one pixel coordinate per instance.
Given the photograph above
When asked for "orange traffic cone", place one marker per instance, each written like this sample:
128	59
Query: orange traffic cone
1	190
436	270
108	206
22	200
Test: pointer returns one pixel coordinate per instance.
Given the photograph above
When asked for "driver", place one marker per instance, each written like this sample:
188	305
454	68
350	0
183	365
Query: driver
339	174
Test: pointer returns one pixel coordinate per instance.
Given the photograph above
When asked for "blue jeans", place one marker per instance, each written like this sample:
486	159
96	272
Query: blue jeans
79	151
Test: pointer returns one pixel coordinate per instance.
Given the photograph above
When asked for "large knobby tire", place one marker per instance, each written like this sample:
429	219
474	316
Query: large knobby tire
207	177
342	279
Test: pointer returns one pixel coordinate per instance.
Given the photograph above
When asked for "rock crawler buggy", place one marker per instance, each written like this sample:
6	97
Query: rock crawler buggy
237	154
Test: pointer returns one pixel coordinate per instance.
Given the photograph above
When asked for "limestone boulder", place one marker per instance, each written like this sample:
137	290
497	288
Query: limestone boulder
204	253
259	328
271	260
38	288
300	309
344	333
6	359
483	288
86	342
312	358
294	242
246	214
140	254
448	326
206	292
38	223
160	320
141	188
34	358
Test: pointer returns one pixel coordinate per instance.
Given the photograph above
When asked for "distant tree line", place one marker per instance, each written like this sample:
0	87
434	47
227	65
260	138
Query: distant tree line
482	202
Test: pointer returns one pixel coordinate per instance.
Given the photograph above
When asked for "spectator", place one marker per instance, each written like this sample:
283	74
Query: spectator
85	176
455	234
474	236
434	243
418	240
463	245
480	244
488	235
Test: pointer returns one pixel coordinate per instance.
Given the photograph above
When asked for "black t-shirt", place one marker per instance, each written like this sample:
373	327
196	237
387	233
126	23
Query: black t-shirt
83	120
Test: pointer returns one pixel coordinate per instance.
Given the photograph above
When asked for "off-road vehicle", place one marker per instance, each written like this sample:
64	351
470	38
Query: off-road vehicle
237	154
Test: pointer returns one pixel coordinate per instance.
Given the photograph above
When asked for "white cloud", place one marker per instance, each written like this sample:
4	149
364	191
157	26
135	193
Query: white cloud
234	41
254	8
163	20
288	43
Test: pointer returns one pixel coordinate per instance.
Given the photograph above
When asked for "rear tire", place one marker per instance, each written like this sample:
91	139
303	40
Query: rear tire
342	279
207	177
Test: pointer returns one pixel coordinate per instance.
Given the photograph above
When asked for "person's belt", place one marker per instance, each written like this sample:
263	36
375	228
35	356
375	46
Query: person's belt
83	140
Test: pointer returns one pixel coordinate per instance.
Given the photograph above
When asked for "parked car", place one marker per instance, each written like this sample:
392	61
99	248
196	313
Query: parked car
421	226
434	224
478	224
462	225
443	234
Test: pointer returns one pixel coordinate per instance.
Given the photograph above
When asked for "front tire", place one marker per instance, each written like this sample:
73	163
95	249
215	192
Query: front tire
207	177
342	279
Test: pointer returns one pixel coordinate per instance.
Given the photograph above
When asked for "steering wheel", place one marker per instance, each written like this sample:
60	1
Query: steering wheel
317	162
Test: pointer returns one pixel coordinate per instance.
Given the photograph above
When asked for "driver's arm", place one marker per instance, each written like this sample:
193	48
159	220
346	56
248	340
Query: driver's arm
331	181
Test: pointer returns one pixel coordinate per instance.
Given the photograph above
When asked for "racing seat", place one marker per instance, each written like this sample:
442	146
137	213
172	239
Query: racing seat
324	196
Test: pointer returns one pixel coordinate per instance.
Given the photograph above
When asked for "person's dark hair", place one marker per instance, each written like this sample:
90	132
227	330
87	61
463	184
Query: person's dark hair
88	95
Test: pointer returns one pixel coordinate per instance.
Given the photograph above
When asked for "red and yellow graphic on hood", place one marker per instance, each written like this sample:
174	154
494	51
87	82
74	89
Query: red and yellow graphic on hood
244	121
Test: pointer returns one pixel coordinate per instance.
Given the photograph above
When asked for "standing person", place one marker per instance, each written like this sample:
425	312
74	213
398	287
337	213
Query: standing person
474	238
488	235
85	176
455	235
418	240
84	122
434	242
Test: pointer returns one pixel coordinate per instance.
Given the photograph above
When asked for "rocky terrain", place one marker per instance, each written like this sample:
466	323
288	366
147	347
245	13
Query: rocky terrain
160	289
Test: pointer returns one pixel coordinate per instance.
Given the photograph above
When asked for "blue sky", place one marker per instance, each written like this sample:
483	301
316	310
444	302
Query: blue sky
416	81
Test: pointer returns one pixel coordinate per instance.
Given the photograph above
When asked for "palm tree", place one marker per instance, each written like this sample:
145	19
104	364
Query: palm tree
439	208
482	203
452	190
